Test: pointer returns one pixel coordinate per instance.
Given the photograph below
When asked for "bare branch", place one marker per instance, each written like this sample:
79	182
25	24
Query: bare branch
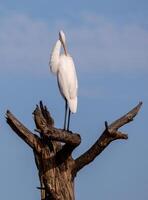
60	135
110	134
126	118
31	139
44	124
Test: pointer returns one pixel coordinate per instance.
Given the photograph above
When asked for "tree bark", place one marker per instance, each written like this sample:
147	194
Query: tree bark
53	149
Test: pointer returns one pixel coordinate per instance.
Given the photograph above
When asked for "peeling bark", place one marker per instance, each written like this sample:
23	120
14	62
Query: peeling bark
53	149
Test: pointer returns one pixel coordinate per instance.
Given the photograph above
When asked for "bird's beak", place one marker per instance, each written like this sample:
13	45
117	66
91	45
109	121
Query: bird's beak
63	44
64	47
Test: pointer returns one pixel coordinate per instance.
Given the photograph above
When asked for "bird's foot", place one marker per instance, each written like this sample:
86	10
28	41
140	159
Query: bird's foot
69	131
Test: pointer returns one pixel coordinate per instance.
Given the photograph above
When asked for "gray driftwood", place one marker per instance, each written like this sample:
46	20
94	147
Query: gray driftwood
53	149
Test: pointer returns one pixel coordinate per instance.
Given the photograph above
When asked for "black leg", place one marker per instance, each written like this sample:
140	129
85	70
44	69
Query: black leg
65	114
68	120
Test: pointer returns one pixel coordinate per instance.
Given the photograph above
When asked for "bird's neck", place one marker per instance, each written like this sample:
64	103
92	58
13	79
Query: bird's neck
55	55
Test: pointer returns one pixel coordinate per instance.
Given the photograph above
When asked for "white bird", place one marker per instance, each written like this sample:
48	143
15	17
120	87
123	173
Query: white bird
62	65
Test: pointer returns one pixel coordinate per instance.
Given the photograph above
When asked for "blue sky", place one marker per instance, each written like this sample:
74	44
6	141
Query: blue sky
109	43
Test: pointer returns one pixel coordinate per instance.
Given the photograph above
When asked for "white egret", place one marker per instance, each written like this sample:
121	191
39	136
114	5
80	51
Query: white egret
63	67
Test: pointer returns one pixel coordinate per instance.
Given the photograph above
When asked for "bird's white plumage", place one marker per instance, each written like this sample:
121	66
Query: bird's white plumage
67	81
54	58
63	66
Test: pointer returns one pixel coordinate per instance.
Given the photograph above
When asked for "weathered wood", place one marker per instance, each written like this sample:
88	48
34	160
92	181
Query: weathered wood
53	150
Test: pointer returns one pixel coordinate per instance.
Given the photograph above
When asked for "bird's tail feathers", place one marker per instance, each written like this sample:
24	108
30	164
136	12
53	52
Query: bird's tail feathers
73	105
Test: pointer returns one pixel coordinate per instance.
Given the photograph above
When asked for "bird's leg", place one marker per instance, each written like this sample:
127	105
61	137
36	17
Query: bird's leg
65	114
68	120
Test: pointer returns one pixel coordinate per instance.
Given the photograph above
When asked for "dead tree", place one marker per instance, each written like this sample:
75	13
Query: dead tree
53	149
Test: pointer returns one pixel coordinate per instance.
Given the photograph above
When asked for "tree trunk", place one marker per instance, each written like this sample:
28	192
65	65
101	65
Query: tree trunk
56	178
53	150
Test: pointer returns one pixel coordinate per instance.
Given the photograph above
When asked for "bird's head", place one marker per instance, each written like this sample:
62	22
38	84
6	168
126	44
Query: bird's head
62	38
